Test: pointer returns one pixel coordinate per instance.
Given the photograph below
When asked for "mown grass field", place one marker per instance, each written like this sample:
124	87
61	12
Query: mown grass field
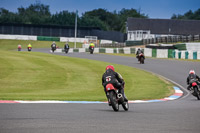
40	76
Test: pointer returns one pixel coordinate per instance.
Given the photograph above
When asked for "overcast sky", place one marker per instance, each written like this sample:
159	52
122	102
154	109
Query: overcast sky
153	8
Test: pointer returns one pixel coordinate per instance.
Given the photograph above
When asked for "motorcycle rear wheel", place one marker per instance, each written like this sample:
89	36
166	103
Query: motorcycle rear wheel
142	60
113	101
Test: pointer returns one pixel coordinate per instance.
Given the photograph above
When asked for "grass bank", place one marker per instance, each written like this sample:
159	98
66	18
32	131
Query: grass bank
39	76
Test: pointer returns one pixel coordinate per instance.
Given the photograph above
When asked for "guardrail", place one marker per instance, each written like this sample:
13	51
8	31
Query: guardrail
172	39
112	45
148	52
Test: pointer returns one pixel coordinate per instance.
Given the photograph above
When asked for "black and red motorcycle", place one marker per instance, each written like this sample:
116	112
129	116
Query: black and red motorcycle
29	49
141	58
194	89
115	98
91	48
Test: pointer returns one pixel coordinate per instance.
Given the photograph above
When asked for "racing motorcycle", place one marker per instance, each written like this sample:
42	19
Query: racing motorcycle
91	49
115	98
19	48
53	49
29	48
141	58
195	91
66	50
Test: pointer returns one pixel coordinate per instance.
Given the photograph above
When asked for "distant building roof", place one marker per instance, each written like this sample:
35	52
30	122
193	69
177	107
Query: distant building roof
165	26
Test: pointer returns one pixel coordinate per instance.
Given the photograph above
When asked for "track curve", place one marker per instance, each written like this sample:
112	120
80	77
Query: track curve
179	116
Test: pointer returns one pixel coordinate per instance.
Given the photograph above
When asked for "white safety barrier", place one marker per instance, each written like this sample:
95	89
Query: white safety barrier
109	50
72	39
81	50
148	52
70	50
182	54
190	55
127	51
58	50
158	53
18	37
96	50
162	53
176	54
198	55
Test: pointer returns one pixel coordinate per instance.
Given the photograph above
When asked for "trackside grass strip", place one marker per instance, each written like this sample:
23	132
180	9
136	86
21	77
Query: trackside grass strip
40	76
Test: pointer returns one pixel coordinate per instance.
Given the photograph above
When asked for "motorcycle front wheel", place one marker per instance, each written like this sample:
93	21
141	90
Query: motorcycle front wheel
125	106
197	93
113	101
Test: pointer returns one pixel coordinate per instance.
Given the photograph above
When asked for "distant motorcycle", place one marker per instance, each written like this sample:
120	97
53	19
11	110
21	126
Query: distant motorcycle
141	58
19	48
66	50
29	49
194	89
91	49
116	98
53	49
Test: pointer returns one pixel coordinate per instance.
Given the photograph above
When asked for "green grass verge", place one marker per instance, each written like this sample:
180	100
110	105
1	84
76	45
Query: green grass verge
12	44
40	76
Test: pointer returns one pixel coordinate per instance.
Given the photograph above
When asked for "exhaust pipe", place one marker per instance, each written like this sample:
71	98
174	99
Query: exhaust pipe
119	96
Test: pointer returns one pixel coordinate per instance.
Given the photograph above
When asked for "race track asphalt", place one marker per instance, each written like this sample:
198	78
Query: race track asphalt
177	116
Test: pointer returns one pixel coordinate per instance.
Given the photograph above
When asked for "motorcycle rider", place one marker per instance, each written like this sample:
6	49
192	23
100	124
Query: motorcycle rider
29	46
114	78
19	47
91	45
139	51
53	46
66	46
191	76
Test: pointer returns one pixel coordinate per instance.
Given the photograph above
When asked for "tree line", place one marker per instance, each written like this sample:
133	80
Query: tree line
109	21
190	15
40	14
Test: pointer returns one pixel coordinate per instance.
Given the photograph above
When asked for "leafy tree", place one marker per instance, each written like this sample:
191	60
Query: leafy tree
6	16
63	18
34	14
188	15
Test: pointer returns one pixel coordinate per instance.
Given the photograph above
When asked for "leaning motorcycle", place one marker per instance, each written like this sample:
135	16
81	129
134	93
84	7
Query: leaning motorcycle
115	98
195	91
91	49
141	58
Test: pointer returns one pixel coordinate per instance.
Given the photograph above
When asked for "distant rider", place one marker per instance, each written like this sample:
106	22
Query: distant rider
192	76
139	51
53	46
91	45
29	46
66	46
19	47
114	78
